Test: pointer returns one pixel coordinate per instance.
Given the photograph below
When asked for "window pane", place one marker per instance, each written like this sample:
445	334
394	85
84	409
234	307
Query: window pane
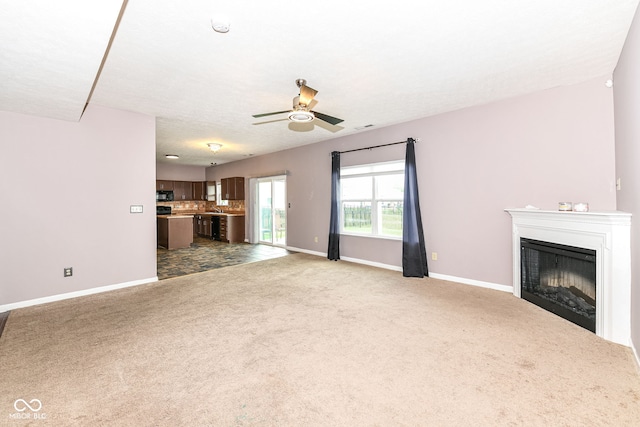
390	186
356	188
373	168
356	217
390	217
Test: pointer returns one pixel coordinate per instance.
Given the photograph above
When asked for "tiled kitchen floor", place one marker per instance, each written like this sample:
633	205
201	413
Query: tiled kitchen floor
206	254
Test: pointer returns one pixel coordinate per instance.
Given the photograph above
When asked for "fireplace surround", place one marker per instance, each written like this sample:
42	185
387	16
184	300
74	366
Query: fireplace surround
607	234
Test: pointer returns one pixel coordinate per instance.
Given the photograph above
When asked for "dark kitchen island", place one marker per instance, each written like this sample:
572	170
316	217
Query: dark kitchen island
175	231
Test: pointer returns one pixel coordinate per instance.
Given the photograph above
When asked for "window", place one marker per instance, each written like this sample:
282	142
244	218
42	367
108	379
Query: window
371	199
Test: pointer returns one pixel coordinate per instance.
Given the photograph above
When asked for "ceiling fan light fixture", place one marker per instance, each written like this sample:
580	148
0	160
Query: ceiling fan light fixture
214	147
301	116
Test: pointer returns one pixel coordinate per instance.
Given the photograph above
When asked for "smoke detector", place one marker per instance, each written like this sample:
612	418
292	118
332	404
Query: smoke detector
220	24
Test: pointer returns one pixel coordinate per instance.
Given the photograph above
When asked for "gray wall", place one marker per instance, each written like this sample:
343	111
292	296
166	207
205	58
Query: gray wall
539	149
627	112
66	190
171	172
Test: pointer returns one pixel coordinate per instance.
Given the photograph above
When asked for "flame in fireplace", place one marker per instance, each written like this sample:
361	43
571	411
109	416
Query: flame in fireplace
571	280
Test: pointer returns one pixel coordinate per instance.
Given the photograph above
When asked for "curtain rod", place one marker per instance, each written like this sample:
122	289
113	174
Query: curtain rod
381	145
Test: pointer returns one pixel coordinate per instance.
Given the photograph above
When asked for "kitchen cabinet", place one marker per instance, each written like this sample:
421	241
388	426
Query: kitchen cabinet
164	185
203	225
182	190
175	232
206	227
232	228
186	190
232	188
199	190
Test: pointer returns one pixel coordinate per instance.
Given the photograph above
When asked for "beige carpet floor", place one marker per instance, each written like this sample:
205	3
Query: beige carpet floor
303	341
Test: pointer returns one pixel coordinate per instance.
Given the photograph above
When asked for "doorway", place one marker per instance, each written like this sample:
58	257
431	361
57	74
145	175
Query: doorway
271	224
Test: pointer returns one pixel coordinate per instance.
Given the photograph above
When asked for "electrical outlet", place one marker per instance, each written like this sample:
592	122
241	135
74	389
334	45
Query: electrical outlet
68	271
434	256
315	239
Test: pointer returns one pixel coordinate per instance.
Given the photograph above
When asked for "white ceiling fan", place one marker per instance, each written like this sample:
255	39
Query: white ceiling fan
302	104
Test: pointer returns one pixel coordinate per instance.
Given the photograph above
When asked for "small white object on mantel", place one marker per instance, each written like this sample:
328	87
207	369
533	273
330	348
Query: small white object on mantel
581	207
609	234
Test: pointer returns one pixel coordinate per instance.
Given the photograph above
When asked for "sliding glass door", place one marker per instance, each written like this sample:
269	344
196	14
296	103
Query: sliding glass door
272	221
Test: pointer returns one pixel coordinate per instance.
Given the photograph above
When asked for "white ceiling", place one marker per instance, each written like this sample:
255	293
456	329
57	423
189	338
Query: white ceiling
373	63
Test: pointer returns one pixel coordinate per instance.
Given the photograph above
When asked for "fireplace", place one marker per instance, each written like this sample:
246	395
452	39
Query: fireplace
605	283
561	279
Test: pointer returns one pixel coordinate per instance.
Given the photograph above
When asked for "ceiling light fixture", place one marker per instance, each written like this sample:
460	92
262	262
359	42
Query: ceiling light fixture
214	147
172	156
301	116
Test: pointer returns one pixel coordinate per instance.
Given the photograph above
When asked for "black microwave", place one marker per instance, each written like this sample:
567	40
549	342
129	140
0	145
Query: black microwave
164	196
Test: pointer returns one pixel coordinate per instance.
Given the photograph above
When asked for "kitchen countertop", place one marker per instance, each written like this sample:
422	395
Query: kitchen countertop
221	213
191	215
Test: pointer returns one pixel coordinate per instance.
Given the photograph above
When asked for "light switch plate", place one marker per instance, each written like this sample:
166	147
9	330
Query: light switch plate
135	209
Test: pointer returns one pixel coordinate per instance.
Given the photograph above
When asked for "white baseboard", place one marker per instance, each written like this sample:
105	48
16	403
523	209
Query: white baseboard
306	251
355	260
69	295
472	282
372	263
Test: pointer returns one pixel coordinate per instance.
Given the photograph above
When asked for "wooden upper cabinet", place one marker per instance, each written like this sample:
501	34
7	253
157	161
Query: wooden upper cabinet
182	190
224	188
232	188
199	190
164	185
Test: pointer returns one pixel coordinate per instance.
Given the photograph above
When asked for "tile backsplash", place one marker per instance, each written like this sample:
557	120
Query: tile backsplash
192	206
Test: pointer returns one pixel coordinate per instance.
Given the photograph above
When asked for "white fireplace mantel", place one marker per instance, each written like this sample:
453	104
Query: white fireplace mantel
609	234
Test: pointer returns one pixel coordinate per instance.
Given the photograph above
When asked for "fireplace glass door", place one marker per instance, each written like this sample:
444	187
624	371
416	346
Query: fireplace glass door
560	279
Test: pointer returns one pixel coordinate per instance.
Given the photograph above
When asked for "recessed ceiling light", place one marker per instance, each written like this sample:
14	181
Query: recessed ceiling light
172	156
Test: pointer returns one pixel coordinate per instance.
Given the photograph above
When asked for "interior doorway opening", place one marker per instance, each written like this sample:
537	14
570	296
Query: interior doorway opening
271	201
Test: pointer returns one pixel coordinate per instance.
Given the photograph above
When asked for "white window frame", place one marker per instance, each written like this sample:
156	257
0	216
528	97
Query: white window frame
370	170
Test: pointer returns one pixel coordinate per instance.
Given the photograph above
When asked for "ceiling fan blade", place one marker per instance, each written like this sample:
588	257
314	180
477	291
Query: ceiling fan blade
270	114
327	126
328	119
306	94
271	121
312	104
